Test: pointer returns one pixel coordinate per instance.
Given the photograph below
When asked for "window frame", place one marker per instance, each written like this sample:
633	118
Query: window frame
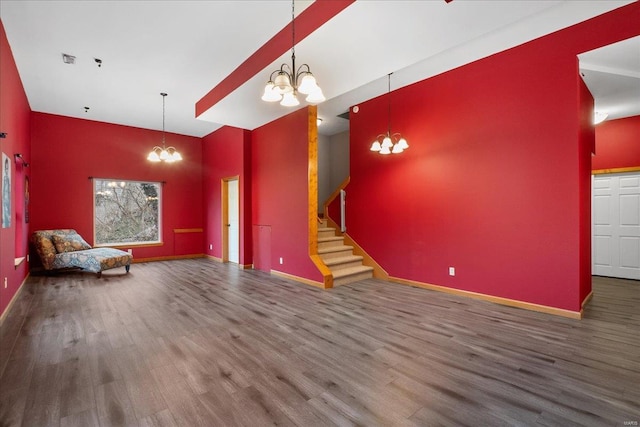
159	186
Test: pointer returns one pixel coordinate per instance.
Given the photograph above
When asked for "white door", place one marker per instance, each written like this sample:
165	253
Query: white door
234	221
615	223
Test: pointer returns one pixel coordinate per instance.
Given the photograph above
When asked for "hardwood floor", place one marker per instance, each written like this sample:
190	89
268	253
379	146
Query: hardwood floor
197	343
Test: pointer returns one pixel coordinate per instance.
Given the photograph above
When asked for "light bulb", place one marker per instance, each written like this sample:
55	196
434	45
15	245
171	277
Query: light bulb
283	83
308	84
271	93
599	117
289	100
316	97
153	156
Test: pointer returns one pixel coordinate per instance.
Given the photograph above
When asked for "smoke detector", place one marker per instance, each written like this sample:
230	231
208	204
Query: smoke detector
68	59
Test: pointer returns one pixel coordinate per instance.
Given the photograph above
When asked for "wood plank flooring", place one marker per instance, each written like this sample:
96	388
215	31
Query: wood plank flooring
197	343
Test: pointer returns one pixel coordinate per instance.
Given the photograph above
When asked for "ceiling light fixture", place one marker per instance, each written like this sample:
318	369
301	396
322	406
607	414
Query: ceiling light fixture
285	83
389	143
163	153
599	117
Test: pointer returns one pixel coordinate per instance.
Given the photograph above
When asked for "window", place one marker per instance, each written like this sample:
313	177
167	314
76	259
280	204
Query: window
126	212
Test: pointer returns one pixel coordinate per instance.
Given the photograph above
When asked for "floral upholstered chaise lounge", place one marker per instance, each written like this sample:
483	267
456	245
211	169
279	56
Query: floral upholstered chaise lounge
65	248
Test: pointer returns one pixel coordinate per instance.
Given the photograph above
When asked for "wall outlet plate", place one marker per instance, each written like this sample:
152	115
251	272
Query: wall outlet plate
452	271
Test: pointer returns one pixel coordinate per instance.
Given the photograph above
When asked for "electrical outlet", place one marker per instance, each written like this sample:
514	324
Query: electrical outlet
27	257
281	261
211	247
5	283
452	271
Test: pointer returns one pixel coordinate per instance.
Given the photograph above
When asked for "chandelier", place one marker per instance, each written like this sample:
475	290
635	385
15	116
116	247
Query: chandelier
164	153
285	83
390	142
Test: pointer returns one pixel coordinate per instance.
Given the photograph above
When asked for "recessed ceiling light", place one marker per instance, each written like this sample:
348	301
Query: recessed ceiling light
68	59
599	117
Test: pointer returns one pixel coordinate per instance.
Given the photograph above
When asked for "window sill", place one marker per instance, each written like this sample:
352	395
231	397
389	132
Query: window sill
131	245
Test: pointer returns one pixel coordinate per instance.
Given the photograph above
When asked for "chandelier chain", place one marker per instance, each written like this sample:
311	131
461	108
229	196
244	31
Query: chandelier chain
293	44
389	103
293	28
164	95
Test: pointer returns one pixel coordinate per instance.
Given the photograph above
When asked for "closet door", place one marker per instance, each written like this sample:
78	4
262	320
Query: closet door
616	225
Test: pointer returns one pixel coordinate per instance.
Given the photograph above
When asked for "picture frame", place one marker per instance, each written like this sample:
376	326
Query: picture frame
6	191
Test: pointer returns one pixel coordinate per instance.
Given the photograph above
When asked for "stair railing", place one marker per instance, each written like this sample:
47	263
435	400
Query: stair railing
378	271
338	193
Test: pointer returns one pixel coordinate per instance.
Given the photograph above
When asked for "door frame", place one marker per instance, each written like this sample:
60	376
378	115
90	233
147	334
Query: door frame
224	182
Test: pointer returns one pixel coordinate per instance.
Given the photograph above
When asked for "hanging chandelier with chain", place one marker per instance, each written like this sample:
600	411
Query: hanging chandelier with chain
164	153
389	143
287	82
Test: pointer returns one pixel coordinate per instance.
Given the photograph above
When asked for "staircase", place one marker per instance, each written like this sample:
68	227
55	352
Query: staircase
344	265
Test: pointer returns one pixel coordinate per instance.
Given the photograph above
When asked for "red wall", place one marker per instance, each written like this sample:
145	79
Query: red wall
492	182
67	151
14	120
280	198
586	143
617	144
227	153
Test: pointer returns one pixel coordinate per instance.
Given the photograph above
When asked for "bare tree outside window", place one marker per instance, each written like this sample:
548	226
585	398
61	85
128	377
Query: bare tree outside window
126	212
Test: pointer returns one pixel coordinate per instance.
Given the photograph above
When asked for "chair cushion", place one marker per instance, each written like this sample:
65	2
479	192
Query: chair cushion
94	260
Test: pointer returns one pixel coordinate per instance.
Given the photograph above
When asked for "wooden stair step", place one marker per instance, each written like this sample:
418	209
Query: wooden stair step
326	232
325	242
335	252
343	262
350	275
330	239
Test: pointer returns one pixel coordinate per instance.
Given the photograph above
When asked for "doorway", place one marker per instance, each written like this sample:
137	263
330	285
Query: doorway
231	220
615	234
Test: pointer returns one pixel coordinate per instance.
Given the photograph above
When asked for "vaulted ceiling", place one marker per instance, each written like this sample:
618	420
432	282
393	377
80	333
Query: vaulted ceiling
188	48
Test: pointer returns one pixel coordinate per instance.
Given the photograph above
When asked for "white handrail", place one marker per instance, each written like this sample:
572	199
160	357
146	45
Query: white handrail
343	221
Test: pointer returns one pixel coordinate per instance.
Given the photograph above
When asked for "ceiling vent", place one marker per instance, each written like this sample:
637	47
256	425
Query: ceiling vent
68	59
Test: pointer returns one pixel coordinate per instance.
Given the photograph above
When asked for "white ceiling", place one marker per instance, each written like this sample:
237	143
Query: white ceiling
185	48
612	74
